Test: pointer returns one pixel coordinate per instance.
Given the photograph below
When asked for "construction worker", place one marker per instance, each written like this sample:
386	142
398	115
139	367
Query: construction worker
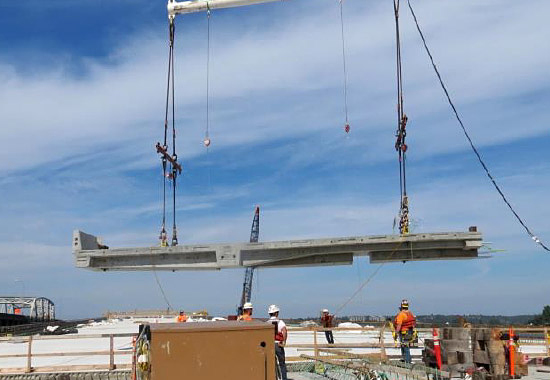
247	312
281	335
327	321
182	317
405	330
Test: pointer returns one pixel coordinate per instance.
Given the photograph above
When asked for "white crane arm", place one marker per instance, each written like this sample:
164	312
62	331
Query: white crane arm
175	8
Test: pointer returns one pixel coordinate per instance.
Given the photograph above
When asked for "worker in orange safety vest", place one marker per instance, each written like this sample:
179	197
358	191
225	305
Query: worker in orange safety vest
405	330
247	312
182	317
327	321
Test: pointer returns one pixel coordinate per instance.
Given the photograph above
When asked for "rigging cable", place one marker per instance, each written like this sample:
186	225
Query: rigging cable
346	126
165	177
175	167
207	140
368	280
401	132
478	155
162	291
174	156
401	148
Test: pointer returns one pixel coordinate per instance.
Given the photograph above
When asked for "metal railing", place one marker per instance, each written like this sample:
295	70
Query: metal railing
29	355
319	349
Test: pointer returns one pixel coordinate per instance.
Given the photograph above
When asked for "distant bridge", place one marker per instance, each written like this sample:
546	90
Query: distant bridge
90	253
32	308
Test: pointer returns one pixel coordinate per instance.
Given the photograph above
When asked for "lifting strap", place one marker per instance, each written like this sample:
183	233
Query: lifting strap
401	133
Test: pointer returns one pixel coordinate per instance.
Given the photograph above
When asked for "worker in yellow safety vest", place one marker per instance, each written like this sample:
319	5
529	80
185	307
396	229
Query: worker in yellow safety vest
405	330
247	312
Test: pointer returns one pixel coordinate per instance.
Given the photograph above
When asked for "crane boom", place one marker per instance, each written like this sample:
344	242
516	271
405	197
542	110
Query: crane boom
183	7
249	272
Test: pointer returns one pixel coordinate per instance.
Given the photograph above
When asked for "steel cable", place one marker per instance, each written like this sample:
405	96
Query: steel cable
366	282
207	136
401	132
174	156
478	155
344	62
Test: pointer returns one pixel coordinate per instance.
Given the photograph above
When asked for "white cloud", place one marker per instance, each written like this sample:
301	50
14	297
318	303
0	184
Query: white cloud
484	56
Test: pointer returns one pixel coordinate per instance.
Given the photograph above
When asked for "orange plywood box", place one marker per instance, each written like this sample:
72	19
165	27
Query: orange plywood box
212	350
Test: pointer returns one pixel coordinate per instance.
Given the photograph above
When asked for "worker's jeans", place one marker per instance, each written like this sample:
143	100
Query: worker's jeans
406	352
280	355
406	339
330	338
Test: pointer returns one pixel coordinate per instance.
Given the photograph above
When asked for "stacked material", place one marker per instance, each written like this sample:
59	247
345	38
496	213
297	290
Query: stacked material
456	350
491	353
479	351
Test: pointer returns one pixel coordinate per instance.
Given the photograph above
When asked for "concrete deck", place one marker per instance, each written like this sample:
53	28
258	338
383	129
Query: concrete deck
538	373
304	376
90	253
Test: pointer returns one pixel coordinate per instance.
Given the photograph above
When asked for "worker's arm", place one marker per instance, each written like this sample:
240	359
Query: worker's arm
285	335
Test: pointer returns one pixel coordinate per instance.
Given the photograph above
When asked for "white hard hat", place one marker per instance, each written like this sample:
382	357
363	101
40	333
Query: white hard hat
325	310
273	309
247	305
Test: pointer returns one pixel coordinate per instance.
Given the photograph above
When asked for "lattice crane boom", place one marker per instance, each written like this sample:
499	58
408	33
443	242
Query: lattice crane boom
246	295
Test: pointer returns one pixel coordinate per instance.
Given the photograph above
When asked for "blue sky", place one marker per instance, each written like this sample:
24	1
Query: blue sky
81	107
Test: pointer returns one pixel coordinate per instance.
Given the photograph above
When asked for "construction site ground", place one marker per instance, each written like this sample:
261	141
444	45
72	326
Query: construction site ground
95	336
535	373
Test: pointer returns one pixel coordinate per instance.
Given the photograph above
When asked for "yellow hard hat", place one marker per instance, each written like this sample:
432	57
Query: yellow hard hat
404	304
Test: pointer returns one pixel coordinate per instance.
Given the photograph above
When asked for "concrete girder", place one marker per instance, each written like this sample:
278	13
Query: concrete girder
90	253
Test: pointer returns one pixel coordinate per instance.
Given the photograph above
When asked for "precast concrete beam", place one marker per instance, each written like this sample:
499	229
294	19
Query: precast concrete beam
90	253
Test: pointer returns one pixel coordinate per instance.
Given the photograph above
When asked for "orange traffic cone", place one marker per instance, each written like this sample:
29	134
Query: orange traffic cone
437	348
512	352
